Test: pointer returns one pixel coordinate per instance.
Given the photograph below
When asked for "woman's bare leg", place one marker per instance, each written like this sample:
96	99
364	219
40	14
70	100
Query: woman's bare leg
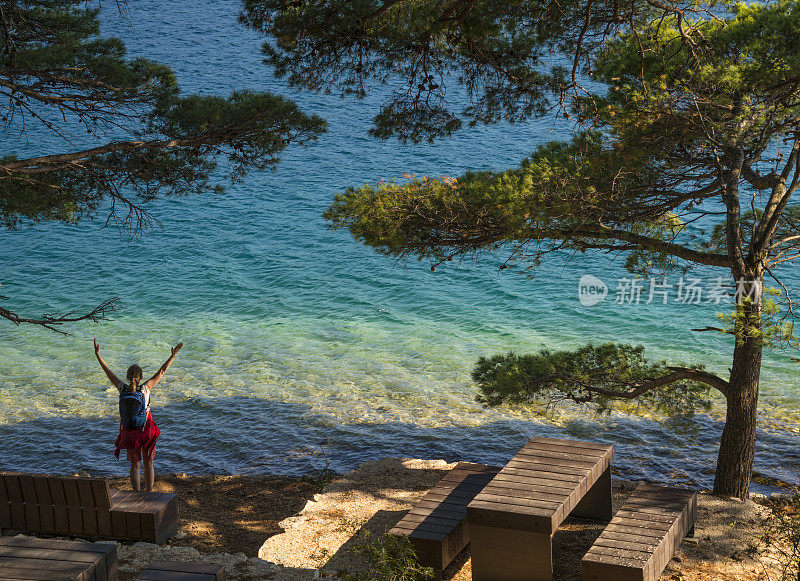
135	479
149	475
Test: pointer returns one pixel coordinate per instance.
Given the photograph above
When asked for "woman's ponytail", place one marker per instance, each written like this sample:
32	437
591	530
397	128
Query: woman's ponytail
134	377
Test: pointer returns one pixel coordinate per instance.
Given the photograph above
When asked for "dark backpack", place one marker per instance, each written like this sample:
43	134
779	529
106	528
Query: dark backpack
132	410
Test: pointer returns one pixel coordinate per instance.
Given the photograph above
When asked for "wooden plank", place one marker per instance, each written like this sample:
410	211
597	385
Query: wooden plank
168	518
418	534
614	561
537	477
60	512
520	498
148	507
552	471
662	504
133	523
664	490
187	567
456	495
628	554
46	513
522	518
88	507
15	573
173	576
16	501
684	498
73	505
459	512
104	522
22	541
594	571
101	493
461	486
557	458
96	567
614	536
118	522
436	505
541	492
61	554
3	490
579	444
428	518
427	527
555	487
634	544
5	506
569	447
32	521
417	512
634	530
56	568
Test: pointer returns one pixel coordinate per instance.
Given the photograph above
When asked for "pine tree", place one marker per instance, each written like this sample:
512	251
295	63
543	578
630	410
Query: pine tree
58	74
686	113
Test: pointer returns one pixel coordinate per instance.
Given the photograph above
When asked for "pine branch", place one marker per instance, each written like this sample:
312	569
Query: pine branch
52	322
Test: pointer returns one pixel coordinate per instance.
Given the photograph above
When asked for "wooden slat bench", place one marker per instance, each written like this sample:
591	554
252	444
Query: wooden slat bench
512	520
435	525
84	506
643	536
172	571
57	560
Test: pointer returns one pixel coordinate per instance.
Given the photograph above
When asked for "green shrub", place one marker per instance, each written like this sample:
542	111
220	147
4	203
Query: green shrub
388	558
782	535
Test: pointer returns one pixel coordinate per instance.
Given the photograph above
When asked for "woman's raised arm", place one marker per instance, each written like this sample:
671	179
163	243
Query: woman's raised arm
110	374
151	383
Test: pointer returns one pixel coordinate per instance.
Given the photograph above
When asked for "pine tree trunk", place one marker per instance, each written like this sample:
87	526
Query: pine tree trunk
738	446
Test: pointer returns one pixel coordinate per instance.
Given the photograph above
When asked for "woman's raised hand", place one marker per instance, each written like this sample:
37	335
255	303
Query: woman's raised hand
176	349
96	348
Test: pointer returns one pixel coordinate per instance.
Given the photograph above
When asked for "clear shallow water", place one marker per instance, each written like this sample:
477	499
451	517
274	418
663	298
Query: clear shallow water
298	339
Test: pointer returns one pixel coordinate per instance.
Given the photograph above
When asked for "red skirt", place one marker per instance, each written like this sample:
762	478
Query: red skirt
139	443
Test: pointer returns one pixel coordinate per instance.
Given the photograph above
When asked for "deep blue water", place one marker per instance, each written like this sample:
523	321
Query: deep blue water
300	340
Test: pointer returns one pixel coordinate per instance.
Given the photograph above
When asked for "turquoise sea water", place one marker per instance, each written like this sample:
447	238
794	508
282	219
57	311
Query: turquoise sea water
299	340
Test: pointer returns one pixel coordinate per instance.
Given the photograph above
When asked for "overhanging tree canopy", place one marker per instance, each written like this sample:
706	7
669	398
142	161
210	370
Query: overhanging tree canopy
58	75
688	114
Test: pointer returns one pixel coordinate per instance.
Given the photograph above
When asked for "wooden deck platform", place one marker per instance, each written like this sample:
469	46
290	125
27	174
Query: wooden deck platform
31	559
511	522
173	571
435	525
86	507
643	536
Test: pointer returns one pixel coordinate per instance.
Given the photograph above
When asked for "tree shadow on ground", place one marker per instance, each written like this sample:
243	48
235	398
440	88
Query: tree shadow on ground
350	556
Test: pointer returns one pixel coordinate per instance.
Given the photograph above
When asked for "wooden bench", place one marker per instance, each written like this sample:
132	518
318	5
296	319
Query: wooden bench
55	560
435	525
86	507
643	536
172	571
512	520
